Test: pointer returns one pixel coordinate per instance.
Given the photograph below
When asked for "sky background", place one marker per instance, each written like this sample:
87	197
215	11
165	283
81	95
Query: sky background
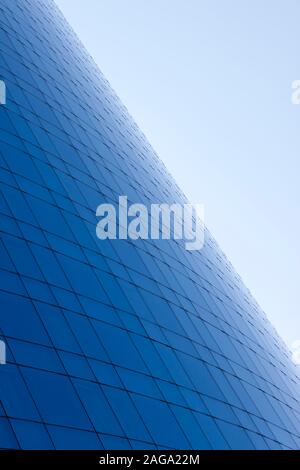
209	83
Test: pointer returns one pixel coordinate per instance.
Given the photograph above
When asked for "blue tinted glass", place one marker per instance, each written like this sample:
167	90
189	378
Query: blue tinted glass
117	343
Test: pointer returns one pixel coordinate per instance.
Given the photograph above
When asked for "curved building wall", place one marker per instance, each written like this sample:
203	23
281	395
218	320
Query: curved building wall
117	343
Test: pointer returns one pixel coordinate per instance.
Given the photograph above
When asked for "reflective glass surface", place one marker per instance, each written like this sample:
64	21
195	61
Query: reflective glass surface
118	343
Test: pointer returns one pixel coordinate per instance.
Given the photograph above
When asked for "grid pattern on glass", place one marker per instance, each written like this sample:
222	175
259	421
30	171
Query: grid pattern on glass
114	344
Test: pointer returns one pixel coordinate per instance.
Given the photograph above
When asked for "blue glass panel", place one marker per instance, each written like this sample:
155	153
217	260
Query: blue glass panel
117	343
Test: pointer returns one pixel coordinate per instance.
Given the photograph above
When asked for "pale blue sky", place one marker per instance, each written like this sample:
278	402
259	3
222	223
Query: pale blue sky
209	83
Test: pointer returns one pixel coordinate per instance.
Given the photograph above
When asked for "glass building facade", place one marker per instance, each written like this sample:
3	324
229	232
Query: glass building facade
117	343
